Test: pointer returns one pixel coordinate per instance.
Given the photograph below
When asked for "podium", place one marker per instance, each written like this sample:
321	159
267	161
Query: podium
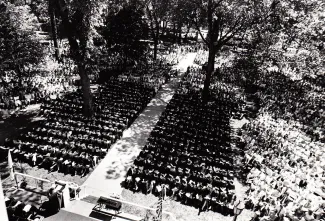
62	186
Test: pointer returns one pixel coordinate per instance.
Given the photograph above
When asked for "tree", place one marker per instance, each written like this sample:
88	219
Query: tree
51	11
181	15
156	11
125	32
76	20
19	46
303	36
226	20
288	38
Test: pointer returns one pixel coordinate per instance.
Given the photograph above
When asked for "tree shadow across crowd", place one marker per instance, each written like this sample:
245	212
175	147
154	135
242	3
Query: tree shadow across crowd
27	196
13	126
136	136
129	147
162	99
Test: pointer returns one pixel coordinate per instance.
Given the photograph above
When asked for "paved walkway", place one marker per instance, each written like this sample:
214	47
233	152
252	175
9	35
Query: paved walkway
108	175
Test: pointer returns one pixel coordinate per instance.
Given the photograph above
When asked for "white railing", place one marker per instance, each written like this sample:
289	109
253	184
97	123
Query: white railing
32	177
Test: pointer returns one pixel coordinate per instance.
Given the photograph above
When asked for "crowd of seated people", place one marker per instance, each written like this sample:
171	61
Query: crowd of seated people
297	100
201	57
188	155
176	53
284	147
300	100
21	211
72	143
286	170
150	75
13	96
194	81
237	98
16	95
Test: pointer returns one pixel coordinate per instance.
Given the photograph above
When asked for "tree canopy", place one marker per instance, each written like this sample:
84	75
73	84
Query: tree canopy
288	39
20	49
125	33
285	35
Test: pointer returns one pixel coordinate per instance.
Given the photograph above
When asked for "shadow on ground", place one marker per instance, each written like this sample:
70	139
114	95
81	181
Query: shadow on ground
135	138
12	126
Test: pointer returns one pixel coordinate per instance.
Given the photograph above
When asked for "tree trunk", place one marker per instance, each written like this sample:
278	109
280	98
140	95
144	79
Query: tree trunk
20	76
212	53
54	30
86	93
209	72
187	32
167	29
155	49
174	32
180	35
78	58
156	38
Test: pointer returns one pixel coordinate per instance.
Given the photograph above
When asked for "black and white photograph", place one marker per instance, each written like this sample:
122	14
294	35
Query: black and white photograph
162	110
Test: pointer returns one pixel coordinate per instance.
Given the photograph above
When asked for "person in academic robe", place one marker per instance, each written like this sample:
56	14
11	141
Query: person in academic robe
47	162
144	186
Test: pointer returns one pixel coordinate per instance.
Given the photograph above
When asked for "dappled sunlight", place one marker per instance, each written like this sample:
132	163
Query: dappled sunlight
163	97
35	119
180	211
187	61
28	197
157	102
128	133
238	123
11	126
113	168
166	97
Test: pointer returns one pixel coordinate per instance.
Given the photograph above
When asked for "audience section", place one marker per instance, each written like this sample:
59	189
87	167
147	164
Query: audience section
188	155
69	142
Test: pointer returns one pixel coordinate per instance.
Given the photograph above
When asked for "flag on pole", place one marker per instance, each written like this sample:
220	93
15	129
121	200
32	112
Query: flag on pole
11	166
159	207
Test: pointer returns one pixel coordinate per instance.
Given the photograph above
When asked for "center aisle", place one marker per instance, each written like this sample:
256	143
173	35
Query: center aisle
107	177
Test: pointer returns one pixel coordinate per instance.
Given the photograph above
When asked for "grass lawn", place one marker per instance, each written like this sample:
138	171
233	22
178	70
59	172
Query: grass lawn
180	211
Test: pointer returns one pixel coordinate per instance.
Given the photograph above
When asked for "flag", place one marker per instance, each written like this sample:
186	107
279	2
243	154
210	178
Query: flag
11	166
159	207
